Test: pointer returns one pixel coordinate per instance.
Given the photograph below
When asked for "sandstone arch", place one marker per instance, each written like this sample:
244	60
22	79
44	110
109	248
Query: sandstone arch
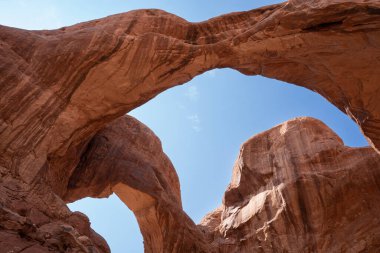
295	188
58	88
70	82
126	158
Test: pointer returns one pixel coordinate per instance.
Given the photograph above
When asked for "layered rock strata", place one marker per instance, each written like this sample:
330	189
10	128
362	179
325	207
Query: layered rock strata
297	188
59	88
126	158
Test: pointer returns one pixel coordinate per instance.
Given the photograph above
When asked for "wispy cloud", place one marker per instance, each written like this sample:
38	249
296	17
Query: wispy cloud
192	93
195	122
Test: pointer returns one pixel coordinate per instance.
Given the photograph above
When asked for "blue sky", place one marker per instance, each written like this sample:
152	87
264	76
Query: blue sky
201	124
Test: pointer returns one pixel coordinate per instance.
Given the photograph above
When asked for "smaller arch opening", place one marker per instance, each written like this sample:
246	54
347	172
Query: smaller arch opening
115	222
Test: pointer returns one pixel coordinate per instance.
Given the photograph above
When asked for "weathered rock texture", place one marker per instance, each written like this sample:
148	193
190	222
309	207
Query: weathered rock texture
126	158
59	88
297	188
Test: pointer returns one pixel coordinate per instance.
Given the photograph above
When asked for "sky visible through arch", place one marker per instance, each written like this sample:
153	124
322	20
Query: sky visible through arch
201	124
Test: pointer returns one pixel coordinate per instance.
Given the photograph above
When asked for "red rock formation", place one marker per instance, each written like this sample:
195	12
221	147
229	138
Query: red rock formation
58	88
297	188
127	158
35	221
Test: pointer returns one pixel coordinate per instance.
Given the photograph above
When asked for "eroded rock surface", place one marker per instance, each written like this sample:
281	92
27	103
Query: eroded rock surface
35	221
59	88
126	158
297	188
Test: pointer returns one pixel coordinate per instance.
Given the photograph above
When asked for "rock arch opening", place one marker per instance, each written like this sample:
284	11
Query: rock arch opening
116	159
127	159
61	87
231	108
113	221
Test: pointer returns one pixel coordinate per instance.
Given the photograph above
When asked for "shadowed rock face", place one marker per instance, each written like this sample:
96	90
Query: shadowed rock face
126	158
297	188
59	88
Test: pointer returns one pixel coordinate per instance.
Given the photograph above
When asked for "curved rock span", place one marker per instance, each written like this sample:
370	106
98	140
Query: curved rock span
61	136
126	158
295	188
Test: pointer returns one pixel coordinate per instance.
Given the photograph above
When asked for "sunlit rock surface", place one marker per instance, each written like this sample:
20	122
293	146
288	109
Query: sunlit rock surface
59	88
297	188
